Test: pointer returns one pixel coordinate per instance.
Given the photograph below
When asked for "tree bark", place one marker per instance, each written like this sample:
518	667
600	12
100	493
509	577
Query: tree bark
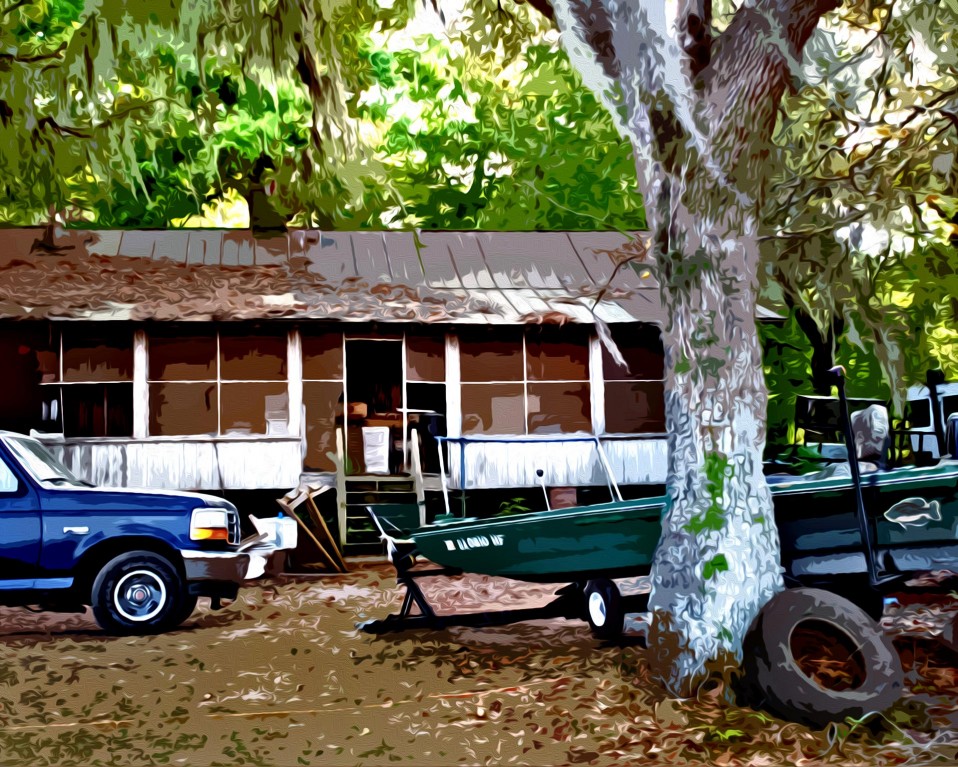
718	560
700	109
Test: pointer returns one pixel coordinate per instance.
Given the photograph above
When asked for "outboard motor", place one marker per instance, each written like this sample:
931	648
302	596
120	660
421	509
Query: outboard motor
872	434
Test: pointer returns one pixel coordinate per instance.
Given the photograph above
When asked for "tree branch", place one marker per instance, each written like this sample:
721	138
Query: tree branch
12	8
70	130
596	25
543	6
695	33
752	63
20	59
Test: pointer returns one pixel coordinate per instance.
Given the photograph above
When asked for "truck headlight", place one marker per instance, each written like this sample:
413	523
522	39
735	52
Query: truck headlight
209	525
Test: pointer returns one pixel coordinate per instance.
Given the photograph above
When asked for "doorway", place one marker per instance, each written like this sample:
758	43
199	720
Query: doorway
374	402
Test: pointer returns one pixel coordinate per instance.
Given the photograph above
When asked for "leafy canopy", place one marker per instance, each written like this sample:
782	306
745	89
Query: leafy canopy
362	113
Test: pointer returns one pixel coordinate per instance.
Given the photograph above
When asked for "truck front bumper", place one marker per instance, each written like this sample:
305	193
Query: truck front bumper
222	566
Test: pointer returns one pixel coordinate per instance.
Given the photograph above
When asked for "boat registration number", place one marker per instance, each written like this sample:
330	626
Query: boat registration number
475	542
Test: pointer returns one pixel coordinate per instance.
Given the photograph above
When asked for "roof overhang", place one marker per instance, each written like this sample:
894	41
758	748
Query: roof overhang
462	277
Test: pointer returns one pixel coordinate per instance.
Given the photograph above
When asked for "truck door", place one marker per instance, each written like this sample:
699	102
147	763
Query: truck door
19	528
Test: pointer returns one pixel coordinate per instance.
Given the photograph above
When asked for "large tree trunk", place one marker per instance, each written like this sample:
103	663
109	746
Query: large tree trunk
718	560
699	107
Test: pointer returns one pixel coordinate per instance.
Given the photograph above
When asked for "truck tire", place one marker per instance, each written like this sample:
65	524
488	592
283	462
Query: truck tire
603	608
774	677
187	606
139	592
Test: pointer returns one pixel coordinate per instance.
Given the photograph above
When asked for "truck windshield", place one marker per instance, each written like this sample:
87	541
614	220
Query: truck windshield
36	459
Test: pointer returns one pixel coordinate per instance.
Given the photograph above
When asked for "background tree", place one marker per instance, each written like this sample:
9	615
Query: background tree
861	219
363	116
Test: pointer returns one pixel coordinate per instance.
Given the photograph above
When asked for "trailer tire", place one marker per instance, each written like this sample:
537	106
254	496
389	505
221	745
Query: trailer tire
603	608
775	681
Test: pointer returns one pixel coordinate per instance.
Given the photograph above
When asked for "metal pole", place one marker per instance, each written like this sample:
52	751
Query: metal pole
868	541
933	378
442	475
462	475
613	485
542	484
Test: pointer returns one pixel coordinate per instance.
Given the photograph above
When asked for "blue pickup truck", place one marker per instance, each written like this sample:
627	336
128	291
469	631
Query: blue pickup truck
140	558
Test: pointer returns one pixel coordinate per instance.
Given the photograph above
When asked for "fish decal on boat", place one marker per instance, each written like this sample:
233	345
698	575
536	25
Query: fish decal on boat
914	511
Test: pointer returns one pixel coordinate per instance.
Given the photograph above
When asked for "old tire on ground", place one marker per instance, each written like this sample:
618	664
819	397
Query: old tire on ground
776	679
139	593
603	608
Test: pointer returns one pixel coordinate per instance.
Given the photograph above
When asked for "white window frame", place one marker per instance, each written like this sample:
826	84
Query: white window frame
294	392
525	382
60	383
599	373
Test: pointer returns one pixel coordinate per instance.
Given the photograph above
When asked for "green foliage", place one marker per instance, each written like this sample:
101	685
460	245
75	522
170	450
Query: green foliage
717	468
786	356
717	564
140	115
513	506
863	215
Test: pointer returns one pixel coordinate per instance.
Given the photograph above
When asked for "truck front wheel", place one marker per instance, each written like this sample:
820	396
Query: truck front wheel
138	593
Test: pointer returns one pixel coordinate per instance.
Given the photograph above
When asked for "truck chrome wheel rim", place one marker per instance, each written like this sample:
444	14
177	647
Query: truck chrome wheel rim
597	609
140	595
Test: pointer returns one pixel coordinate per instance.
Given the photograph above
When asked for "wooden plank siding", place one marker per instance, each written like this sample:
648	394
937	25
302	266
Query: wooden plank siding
184	463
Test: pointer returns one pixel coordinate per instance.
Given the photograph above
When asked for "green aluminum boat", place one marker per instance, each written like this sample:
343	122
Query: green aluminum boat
914	512
609	540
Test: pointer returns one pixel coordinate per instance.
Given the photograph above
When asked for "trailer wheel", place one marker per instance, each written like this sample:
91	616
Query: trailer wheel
785	671
603	608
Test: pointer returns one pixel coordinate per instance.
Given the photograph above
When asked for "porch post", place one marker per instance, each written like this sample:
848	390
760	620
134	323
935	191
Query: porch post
453	388
294	369
596	384
141	388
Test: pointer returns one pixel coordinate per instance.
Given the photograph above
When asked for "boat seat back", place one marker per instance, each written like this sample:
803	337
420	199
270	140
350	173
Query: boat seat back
951	436
872	432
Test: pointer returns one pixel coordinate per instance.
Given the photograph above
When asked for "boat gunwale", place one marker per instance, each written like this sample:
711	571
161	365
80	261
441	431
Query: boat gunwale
879	479
615	507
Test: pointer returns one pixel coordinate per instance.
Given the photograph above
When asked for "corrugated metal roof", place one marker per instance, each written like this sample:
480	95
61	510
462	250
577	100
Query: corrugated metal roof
473	277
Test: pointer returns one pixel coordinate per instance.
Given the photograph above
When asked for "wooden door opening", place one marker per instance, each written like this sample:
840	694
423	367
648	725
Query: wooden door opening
374	402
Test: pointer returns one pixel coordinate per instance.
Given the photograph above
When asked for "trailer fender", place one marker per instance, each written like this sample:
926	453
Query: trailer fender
777	674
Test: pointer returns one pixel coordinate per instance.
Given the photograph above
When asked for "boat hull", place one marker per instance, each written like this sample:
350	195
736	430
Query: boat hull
614	540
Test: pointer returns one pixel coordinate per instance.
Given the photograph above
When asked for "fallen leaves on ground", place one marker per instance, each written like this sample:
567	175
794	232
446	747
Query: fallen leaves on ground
283	677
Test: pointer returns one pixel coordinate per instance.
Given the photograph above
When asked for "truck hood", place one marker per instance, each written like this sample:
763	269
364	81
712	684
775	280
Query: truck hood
129	499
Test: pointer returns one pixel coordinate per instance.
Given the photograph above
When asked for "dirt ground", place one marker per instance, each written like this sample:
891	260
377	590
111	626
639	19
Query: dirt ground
282	677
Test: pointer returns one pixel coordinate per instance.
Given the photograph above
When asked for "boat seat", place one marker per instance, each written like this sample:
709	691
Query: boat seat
951	436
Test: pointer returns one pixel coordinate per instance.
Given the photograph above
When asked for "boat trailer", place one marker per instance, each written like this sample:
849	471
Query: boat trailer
570	600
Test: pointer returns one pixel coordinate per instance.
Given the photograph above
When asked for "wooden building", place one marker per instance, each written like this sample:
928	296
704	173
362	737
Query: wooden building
213	360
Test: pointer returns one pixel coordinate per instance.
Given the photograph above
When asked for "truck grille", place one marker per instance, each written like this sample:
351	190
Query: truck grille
234	527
